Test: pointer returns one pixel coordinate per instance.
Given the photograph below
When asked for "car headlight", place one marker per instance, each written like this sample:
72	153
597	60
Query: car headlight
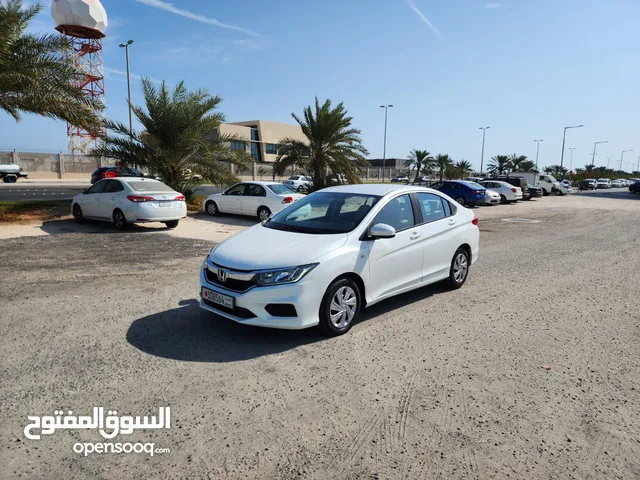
283	275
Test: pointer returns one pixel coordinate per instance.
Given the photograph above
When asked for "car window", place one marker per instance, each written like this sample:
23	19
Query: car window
98	187
253	190
398	213
236	189
113	186
279	189
150	186
431	207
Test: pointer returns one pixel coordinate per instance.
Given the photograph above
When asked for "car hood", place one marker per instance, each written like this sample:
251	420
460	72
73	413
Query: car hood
259	248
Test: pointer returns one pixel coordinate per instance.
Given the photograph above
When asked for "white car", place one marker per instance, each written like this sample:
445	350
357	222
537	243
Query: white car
603	183
256	199
493	198
127	200
323	259
508	193
618	183
298	183
564	187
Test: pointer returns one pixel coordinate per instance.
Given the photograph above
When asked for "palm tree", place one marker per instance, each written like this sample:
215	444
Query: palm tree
332	144
33	76
442	162
527	166
463	167
499	164
421	160
180	138
558	171
451	171
516	162
548	170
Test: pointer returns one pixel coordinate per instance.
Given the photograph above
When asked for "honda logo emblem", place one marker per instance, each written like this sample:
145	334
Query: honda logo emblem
223	275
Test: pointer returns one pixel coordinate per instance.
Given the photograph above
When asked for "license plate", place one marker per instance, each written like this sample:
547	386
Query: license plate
218	298
167	204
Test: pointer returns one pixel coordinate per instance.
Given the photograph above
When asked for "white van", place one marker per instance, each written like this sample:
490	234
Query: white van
547	182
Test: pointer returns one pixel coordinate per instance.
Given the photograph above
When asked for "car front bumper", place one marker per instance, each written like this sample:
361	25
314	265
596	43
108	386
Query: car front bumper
304	295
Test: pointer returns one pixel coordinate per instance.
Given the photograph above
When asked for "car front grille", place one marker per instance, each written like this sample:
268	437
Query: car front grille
230	284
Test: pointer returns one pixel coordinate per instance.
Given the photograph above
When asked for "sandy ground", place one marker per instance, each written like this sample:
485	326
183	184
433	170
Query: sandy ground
529	371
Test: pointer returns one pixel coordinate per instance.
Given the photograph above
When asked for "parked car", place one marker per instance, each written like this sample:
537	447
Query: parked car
474	179
128	200
618	183
113	172
337	251
493	198
588	184
259	199
517	181
400	179
603	183
465	193
536	192
564	187
547	182
299	183
508	193
635	187
338	179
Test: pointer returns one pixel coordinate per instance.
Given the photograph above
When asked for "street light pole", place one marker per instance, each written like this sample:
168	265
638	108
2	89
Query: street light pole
638	165
608	159
126	49
622	156
571	161
537	153
564	135
484	131
384	149
593	156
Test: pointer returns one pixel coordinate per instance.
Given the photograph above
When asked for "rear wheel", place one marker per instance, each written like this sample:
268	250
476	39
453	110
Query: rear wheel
77	213
460	200
263	213
503	199
340	306
459	268
557	193
172	223
212	208
119	220
301	188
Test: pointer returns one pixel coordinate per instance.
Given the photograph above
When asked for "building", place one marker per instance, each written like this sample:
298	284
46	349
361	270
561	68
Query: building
395	163
262	137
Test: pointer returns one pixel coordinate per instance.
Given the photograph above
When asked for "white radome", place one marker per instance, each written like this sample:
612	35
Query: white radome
81	13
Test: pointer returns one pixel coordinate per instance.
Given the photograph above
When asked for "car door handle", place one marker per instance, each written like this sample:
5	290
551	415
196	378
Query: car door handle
414	235
452	222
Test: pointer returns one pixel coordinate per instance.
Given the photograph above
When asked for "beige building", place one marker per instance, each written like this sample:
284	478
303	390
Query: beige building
262	137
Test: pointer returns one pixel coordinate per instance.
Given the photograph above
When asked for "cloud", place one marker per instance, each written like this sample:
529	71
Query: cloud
121	76
195	16
424	19
492	5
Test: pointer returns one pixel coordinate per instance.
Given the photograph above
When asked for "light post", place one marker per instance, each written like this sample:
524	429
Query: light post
384	150
638	165
126	49
622	156
564	135
484	131
608	159
537	153
593	156
571	160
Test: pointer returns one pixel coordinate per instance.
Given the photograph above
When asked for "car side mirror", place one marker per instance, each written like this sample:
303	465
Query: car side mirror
382	230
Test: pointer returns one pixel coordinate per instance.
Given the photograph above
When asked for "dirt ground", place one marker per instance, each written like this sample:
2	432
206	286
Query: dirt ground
528	371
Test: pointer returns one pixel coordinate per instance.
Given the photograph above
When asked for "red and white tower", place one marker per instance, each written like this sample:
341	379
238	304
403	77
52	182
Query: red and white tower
83	23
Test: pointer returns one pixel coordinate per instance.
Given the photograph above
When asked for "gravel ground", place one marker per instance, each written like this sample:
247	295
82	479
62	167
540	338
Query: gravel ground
529	371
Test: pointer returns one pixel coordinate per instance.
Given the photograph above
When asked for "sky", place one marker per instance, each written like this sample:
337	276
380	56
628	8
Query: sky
525	68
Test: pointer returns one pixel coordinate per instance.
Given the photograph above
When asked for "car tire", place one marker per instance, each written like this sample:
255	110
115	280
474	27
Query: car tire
460	200
263	213
338	293
77	214
545	193
211	208
301	188
172	223
119	220
558	193
459	270
503	200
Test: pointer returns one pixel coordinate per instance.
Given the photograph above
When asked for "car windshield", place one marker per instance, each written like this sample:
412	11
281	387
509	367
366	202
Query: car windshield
150	186
324	213
279	189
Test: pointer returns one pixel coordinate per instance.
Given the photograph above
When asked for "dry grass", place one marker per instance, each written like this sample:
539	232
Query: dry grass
34	210
195	204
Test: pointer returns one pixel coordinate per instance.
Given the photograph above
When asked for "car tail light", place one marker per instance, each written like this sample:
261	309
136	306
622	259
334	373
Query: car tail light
475	220
513	190
287	200
110	174
140	198
478	192
179	198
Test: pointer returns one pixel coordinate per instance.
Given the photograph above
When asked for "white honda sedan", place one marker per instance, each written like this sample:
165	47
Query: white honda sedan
326	257
127	200
508	193
259	199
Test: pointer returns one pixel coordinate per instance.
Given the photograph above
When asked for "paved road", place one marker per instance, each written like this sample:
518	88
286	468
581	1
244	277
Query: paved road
16	192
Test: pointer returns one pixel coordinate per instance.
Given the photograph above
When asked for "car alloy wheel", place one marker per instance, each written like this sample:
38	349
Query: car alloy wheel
77	213
343	307
301	188
263	213
460	200
119	220
459	268
503	199
212	208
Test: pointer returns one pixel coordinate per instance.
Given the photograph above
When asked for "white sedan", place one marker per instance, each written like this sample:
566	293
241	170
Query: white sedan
564	187
127	200
337	251
298	183
508	193
493	198
259	199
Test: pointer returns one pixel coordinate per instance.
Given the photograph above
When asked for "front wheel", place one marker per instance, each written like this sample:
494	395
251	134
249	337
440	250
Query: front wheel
340	306
459	269
172	223
120	220
77	213
545	193
212	208
301	188
460	200
263	213
558	193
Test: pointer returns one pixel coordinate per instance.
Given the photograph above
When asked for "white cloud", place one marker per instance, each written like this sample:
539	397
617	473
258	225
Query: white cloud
424	18
195	16
492	5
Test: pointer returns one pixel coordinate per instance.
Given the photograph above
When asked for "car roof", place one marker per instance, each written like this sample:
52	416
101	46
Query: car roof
251	182
380	189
